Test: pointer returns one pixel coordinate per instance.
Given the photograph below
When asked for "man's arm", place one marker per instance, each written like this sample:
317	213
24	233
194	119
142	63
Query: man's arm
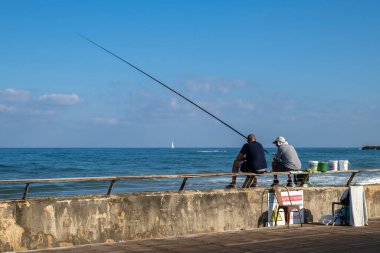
240	157
278	154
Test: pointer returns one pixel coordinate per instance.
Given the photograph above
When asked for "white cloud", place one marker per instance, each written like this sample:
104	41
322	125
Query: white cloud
239	83
247	105
60	99
203	85
173	102
37	112
208	84
21	102
6	108
106	121
14	95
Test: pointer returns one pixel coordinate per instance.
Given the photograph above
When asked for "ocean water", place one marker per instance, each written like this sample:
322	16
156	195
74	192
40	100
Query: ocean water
46	163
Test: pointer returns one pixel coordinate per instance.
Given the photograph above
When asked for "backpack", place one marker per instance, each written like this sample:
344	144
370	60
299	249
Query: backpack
345	198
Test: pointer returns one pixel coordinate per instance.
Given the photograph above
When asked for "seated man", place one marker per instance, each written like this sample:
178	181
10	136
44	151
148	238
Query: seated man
285	159
251	158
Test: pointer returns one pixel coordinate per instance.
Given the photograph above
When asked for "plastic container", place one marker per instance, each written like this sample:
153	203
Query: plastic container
344	164
333	165
313	166
323	166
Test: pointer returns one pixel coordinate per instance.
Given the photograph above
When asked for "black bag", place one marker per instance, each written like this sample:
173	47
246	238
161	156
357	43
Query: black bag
345	199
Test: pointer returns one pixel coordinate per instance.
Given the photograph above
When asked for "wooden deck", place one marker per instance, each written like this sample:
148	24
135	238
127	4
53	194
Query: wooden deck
309	238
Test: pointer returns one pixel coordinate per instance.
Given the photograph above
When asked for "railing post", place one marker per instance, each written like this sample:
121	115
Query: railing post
183	184
350	179
248	181
305	178
110	187
26	189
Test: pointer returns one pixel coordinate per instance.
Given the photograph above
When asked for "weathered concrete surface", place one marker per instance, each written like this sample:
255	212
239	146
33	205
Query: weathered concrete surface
308	238
56	222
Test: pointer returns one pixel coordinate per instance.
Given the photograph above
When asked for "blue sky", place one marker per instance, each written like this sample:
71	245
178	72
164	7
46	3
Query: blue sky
306	70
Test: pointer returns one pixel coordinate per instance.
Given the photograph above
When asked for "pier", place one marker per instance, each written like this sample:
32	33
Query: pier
182	217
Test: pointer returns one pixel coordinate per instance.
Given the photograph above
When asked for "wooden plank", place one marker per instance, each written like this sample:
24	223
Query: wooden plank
57	180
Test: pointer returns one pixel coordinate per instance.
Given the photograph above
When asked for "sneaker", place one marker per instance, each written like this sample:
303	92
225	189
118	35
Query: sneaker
307	184
290	184
231	186
275	182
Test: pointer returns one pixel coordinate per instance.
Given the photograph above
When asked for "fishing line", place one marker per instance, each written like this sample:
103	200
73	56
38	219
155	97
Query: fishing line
166	86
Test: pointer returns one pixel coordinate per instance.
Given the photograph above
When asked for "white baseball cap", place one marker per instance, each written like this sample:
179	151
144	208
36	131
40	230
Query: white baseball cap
279	140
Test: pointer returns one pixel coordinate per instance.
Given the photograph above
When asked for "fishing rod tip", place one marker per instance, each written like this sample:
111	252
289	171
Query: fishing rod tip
81	35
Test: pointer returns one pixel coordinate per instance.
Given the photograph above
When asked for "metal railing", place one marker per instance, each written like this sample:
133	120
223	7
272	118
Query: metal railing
115	179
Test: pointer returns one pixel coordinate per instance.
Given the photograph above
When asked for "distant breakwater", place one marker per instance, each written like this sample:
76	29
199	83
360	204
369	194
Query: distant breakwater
371	148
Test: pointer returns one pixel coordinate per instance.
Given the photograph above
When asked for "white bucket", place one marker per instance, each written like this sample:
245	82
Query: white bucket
313	166
333	165
343	164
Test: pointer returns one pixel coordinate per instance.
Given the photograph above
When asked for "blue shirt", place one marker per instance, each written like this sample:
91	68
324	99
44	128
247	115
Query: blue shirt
255	155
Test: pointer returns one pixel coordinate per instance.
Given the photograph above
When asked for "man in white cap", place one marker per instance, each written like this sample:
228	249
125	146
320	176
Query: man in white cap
285	159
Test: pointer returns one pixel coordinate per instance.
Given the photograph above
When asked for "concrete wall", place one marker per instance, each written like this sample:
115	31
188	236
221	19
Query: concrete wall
57	222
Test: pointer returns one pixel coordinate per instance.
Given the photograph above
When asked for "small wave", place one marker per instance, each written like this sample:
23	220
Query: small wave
7	170
212	151
369	181
61	170
4	166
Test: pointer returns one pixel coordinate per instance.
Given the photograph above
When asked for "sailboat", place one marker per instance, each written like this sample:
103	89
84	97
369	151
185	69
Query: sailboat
172	144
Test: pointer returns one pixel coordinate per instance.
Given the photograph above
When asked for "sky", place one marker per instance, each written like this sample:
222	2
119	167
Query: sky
305	70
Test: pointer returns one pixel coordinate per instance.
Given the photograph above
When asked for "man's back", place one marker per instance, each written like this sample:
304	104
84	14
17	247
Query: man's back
288	155
255	155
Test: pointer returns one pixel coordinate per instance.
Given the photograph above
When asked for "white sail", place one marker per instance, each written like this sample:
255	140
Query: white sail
172	144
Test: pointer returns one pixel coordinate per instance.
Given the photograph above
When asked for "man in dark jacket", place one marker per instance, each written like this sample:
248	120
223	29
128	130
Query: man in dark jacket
251	158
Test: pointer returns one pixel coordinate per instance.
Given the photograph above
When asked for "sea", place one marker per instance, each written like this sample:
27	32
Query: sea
49	163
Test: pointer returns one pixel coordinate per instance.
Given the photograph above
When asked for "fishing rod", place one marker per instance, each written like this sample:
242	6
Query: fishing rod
166	86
